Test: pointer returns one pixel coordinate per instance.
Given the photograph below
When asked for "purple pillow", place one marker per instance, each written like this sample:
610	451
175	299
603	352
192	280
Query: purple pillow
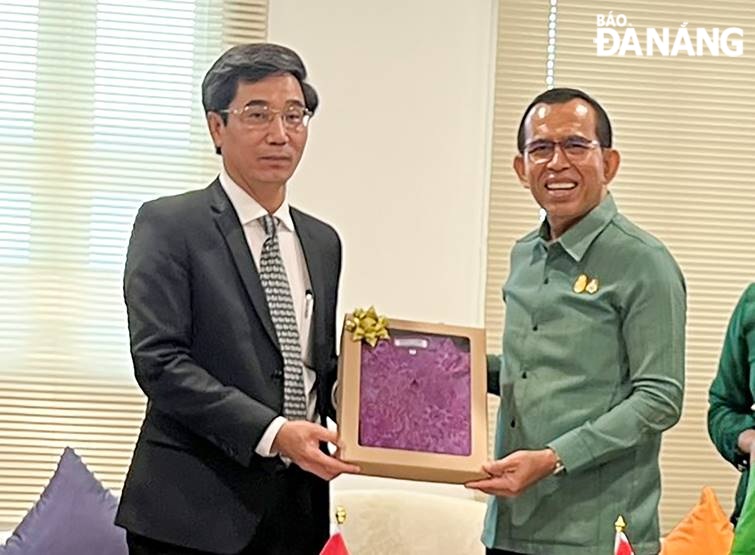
73	516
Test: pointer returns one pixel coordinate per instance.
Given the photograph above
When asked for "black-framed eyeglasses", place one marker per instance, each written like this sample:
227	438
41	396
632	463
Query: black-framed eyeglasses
258	116
576	149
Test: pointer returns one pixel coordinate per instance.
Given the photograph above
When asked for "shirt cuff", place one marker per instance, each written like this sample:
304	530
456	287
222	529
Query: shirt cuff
741	460
265	446
733	454
572	451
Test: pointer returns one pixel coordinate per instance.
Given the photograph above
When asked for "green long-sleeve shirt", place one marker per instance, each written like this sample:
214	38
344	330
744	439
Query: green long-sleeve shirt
730	399
592	367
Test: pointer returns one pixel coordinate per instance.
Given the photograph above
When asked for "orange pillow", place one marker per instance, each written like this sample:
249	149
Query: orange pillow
705	530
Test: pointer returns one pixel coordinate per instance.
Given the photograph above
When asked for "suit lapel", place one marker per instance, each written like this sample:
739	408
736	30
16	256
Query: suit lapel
313	257
233	233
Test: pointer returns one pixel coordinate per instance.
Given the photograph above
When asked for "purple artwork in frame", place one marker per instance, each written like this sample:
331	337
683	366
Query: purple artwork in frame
415	393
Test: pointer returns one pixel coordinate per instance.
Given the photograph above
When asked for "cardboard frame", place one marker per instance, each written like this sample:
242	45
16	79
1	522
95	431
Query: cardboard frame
403	463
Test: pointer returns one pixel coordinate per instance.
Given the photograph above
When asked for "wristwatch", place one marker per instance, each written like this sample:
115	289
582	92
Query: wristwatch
559	465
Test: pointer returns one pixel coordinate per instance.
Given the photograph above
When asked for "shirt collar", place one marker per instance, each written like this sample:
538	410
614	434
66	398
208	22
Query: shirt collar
247	208
578	238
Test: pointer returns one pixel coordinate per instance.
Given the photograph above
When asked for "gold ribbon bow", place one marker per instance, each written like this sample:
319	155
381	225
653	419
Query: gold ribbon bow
367	325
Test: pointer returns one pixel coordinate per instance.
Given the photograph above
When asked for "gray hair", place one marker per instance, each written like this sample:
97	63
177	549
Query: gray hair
251	63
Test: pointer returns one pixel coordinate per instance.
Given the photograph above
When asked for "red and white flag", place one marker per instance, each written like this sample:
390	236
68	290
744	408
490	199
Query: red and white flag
621	545
335	546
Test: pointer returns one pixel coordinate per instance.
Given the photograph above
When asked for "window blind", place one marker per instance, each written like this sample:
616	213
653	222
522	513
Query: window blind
100	106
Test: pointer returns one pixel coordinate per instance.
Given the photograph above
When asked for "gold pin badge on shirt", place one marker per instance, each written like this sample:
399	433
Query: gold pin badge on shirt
580	284
593	286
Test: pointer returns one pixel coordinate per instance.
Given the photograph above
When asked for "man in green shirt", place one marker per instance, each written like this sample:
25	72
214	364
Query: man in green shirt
592	369
731	418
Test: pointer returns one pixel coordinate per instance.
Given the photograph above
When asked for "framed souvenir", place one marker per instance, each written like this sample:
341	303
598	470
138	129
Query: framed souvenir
412	398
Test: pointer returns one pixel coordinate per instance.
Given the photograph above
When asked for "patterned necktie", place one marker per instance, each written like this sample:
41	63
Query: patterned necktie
278	293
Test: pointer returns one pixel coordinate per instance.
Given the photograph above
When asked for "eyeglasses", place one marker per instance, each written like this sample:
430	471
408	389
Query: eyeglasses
257	116
576	149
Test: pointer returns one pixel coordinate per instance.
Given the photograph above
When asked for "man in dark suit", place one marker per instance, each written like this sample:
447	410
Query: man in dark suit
231	298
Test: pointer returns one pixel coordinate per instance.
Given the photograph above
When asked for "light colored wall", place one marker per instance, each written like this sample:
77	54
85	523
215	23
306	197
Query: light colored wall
398	154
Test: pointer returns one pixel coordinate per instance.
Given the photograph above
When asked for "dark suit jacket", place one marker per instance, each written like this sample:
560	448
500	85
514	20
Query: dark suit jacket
206	354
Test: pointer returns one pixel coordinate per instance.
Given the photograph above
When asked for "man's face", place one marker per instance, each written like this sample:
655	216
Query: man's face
563	166
261	155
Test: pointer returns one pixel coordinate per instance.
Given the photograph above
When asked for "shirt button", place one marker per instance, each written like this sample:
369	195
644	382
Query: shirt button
534	328
545	281
513	423
524	375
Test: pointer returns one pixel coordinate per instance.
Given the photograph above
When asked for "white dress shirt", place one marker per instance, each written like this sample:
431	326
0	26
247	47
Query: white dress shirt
249	212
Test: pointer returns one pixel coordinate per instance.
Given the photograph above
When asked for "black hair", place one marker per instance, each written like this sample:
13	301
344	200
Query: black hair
561	96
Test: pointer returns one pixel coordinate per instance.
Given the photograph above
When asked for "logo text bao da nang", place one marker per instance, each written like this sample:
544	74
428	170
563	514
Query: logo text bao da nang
617	37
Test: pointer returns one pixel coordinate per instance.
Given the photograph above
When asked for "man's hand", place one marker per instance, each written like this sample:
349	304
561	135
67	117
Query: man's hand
514	473
746	442
300	441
